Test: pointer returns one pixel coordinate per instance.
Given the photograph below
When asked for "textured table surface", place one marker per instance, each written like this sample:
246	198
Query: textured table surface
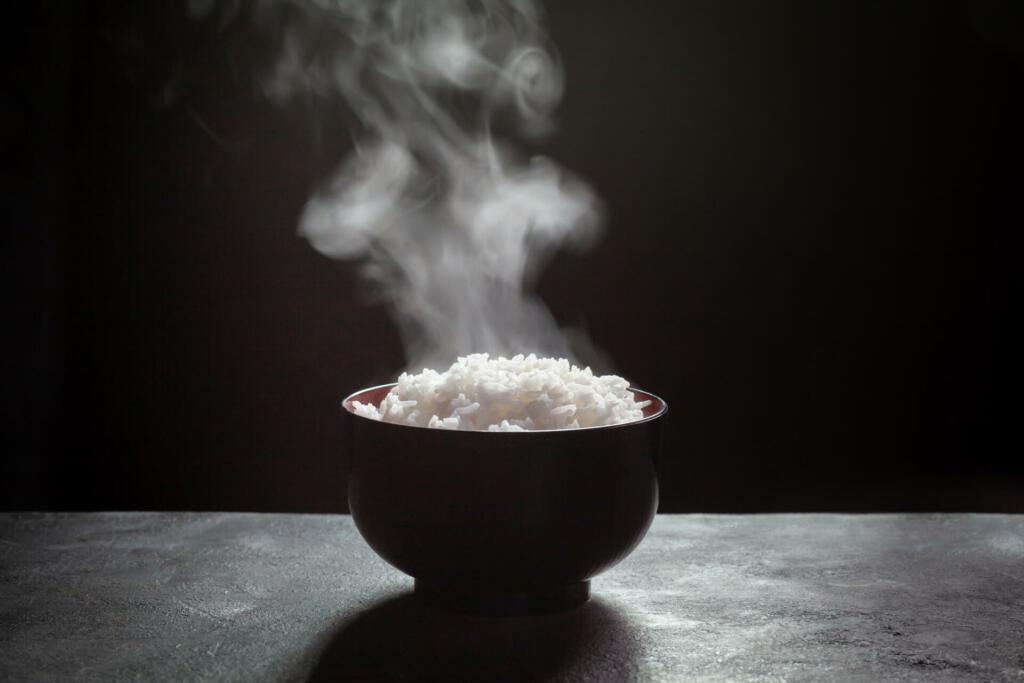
250	597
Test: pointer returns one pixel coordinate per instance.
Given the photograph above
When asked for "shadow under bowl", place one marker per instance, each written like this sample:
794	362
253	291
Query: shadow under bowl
503	522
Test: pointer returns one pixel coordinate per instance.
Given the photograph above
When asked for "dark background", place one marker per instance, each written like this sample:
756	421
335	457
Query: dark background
809	256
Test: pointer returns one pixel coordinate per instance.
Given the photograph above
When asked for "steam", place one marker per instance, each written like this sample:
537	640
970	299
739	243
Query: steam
451	224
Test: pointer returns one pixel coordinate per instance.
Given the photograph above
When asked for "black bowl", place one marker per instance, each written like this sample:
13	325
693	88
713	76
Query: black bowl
503	522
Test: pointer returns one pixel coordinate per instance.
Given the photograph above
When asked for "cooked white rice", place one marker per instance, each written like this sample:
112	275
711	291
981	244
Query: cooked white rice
507	395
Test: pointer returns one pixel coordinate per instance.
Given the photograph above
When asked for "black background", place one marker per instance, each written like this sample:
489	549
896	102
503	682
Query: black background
809	255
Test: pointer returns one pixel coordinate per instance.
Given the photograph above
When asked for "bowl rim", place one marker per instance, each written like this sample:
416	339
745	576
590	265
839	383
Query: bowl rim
649	418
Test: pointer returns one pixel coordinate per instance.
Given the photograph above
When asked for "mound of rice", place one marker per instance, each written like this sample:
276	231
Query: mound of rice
507	395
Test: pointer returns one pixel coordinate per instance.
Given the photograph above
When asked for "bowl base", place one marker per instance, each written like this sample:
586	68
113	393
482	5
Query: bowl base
502	603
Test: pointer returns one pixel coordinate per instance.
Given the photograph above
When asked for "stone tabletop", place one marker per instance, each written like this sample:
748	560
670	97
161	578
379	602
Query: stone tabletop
272	597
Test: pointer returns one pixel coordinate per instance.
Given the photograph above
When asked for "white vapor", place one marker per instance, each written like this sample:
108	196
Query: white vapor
449	222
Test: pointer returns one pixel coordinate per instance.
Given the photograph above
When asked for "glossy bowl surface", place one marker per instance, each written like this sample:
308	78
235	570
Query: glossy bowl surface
503	522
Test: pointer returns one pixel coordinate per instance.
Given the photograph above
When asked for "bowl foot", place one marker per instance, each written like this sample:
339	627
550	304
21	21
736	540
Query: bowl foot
503	603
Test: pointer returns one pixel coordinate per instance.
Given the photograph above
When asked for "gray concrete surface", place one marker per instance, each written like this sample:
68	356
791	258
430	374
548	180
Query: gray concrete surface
267	597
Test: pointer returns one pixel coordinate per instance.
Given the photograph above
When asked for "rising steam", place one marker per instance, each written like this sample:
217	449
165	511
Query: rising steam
451	225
